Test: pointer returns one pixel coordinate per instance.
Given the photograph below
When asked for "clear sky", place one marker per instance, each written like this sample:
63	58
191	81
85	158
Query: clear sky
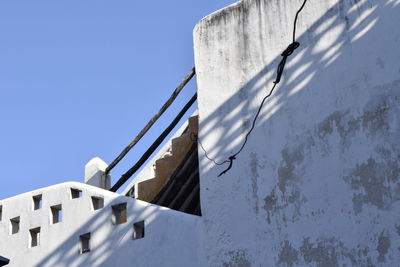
79	79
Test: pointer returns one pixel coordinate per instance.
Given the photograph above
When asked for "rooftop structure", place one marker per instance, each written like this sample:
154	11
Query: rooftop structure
314	180
74	224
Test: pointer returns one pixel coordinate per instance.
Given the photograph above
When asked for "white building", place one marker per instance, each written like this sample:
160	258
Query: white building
317	184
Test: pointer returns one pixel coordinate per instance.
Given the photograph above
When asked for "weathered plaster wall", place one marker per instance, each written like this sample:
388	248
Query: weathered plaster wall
170	237
318	182
316	185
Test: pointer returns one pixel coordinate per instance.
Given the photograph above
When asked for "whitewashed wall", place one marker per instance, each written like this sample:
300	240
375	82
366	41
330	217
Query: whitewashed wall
170	237
318	182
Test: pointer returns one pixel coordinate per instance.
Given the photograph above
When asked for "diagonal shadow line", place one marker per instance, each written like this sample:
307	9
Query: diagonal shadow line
263	79
253	86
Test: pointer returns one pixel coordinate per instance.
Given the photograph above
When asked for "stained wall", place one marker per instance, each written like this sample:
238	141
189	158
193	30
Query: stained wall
317	183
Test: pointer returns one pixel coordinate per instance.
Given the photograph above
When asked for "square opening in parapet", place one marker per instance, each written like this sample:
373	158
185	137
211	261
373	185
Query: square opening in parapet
84	241
56	214
37	202
34	237
76	193
97	203
138	230
14	224
119	213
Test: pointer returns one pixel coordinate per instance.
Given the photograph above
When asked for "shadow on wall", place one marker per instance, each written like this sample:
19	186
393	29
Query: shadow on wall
329	51
309	67
116	244
351	24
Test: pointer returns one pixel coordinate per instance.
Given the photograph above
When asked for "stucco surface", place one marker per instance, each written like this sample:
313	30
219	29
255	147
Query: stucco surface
318	182
110	244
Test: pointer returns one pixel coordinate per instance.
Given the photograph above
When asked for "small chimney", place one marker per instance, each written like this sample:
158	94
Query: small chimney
95	174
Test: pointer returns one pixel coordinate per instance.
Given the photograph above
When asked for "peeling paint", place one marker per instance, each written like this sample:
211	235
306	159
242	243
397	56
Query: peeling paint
275	202
323	254
397	229
327	125
288	255
380	63
341	122
270	202
254	177
383	247
376	118
370	179
286	171
270	205
331	252
237	258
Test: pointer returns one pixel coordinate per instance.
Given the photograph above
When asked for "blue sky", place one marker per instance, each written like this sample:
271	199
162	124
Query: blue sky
79	79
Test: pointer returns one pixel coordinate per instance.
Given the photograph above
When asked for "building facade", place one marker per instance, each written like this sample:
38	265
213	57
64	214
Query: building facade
317	183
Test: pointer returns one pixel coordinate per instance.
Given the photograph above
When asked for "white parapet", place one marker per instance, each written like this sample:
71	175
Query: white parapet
74	224
95	174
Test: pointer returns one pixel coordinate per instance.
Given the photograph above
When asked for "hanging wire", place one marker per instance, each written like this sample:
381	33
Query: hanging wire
281	67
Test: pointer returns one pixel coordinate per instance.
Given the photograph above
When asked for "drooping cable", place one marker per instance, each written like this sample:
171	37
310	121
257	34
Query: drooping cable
285	54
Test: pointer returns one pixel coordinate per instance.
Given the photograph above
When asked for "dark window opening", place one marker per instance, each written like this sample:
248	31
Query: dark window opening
84	243
97	203
35	237
119	213
138	230
56	214
15	225
37	202
1	213
76	193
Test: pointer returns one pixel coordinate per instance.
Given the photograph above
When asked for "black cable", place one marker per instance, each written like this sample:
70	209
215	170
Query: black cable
195	138
295	20
288	51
